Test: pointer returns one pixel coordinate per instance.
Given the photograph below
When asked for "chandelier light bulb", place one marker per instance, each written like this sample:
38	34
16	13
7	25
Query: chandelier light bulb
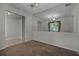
36	4
32	4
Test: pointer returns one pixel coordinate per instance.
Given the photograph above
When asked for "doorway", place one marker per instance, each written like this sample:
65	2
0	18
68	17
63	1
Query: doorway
14	28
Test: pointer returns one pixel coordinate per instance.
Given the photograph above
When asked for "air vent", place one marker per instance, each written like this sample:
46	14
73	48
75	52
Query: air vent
68	4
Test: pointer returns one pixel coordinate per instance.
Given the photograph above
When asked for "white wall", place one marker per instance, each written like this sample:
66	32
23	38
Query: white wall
2	27
74	13
66	24
30	26
13	26
61	39
76	20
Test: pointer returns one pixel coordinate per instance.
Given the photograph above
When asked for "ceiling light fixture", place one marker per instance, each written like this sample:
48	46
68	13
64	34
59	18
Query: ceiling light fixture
8	13
68	4
32	4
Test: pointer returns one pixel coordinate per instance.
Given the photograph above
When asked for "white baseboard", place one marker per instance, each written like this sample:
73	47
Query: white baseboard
18	41
59	46
13	42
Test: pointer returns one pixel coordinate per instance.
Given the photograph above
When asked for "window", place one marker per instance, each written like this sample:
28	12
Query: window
54	26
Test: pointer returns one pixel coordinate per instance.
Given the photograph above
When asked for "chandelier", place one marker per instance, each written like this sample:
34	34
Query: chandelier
52	18
32	4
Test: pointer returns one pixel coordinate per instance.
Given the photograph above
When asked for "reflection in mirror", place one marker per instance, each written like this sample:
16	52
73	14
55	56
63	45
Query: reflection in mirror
61	14
65	24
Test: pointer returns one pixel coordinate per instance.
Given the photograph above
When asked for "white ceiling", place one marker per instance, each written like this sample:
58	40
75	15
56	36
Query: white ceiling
46	10
42	7
57	12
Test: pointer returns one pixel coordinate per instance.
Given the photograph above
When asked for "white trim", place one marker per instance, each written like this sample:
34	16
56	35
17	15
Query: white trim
11	43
